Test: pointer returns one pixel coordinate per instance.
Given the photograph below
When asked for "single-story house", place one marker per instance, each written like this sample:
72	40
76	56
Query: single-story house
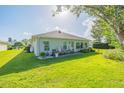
58	41
3	45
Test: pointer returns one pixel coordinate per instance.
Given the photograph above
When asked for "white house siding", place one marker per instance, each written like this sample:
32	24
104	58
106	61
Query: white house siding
3	47
35	45
54	44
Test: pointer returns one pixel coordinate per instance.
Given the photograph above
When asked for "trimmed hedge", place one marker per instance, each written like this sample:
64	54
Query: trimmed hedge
103	46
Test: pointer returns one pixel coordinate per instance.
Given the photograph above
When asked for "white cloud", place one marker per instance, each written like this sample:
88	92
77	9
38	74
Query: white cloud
88	23
55	28
48	29
59	28
27	33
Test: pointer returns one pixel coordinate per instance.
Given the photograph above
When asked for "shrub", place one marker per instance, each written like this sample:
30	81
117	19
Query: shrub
122	46
42	54
111	47
27	49
61	53
116	54
101	45
91	50
9	47
85	51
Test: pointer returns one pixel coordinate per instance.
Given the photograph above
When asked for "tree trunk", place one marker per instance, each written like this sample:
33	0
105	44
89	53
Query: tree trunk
120	37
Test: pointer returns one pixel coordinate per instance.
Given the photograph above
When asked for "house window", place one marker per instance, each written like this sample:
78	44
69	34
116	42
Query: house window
86	44
81	45
78	45
65	45
46	45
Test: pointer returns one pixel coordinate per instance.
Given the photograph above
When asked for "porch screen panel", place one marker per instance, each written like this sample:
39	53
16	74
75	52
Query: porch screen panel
46	45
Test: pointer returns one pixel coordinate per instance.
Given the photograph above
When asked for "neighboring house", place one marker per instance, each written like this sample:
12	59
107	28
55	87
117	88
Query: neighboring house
3	45
59	41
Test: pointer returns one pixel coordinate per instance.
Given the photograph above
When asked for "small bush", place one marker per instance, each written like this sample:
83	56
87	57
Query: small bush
111	47
101	45
91	50
9	47
114	54
122	46
42	54
61	53
27	49
85	51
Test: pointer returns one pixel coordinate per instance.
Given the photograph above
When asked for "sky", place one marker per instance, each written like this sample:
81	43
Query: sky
20	22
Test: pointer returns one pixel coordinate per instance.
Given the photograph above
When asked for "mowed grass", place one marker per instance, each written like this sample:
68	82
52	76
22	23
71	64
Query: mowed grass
19	69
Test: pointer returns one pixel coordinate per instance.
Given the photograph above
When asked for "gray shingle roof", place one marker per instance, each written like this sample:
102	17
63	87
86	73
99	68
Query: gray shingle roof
59	34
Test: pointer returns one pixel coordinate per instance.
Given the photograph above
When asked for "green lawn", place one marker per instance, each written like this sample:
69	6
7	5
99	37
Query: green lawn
19	69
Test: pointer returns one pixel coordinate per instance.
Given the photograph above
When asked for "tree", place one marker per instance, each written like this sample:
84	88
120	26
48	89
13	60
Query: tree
18	45
102	29
97	32
112	15
26	42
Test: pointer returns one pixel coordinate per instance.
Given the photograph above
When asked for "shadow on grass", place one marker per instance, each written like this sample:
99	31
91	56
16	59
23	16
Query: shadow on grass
27	61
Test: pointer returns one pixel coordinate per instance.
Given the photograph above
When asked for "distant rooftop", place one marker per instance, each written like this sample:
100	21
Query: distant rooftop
3	42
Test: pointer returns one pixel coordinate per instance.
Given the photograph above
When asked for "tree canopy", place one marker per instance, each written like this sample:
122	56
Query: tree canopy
112	15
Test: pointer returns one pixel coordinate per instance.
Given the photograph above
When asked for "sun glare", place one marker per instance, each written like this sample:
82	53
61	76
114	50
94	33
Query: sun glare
64	12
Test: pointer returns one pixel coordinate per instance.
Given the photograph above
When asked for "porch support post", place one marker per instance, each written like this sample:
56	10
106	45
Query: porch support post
74	46
37	47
